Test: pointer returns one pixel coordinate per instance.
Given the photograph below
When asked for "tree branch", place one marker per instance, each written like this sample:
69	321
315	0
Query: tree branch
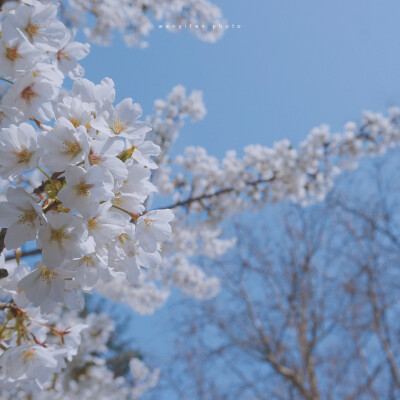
220	192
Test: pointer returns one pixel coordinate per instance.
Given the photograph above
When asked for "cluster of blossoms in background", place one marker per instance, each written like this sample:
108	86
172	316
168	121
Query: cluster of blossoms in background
133	18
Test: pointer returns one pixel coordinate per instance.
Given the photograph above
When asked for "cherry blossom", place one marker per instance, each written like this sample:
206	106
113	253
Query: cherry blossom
85	190
71	161
99	169
64	146
18	150
61	238
122	121
43	284
21	215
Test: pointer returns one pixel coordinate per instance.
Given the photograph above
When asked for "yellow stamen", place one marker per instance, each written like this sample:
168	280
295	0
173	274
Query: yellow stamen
61	54
92	224
119	126
28	355
28	94
28	217
75	121
32	30
23	155
12	53
58	235
47	275
87	260
148	223
82	189
94	159
119	201
72	148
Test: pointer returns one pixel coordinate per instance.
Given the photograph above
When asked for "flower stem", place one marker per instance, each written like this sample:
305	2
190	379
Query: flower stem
121	209
6	80
44	173
52	183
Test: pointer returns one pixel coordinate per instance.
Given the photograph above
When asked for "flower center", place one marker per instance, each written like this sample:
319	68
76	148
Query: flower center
94	159
92	224
47	275
148	223
62	55
28	355
82	189
119	201
87	261
28	217
72	148
58	235
28	94
119	126
23	155
12	53
32	30
75	122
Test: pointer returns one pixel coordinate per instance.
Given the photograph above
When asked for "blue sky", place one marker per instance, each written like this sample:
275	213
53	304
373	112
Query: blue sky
292	65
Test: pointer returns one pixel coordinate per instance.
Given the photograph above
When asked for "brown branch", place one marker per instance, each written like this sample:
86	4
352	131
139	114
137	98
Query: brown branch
25	254
2	237
220	192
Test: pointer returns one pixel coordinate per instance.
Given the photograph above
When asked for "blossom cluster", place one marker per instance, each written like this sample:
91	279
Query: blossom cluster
178	269
211	191
81	172
77	369
264	174
133	18
87	214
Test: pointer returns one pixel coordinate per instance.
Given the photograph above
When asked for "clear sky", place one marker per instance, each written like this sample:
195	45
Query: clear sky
292	65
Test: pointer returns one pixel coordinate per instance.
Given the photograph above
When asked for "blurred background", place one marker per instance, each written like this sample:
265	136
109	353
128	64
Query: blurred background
309	300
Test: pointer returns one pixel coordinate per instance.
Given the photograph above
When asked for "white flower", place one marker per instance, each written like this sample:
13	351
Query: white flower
65	146
154	227
73	339
106	225
102	95
73	297
122	121
16	55
38	24
44	284
62	237
85	190
104	153
21	215
32	94
10	115
144	378
9	285
134	190
30	361
76	111
139	370
127	256
89	269
143	152
69	54
138	182
18	150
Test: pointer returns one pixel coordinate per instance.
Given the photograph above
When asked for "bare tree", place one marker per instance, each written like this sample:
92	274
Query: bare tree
310	302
